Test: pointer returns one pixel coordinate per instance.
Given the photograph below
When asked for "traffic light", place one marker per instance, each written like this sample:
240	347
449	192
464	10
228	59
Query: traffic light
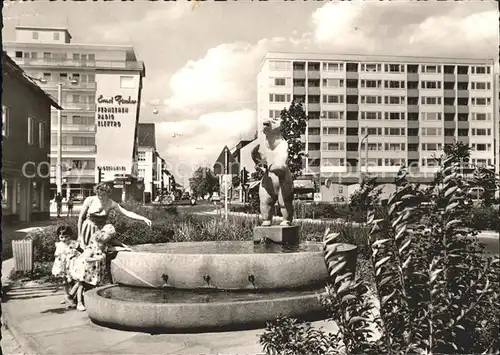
244	176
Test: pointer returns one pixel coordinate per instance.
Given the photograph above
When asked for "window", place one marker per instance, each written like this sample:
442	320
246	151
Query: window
372	131
431	69
333	115
431	100
369	67
333	83
314	131
56	36
333	99
332	162
141	156
83	120
365	115
481	101
481	131
92	57
430	85
274	114
31	130
34	55
63	76
333	66
394	115
481	116
127	82
371	84
372	146
394	162
480	85
85	141
394	147
279	65
76	99
481	147
394	84
41	134
280	97
370	99
394	68
5	121
429	162
279	82
34	35
76	56
141	173
431	116
431	147
394	100
333	130
481	70
19	54
47	55
329	146
395	131
431	131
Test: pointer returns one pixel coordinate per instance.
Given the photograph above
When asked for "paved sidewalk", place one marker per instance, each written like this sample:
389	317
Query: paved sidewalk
41	325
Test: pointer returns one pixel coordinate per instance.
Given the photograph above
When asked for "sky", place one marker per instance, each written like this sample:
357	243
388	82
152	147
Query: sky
202	61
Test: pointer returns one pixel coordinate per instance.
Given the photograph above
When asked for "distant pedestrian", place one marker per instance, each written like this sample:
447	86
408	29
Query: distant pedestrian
70	205
59	203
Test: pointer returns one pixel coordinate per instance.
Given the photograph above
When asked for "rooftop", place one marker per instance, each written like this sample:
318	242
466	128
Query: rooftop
373	58
44	28
8	65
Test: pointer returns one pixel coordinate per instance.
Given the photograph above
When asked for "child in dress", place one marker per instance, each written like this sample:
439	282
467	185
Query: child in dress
64	256
89	267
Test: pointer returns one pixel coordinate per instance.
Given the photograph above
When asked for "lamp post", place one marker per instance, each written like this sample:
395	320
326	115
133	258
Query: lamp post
59	141
365	138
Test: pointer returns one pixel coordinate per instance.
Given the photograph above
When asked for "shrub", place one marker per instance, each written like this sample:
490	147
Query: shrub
41	272
437	292
484	218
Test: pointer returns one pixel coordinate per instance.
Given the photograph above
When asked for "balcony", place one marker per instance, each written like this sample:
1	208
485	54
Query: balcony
74	128
76	148
69	63
69	105
66	84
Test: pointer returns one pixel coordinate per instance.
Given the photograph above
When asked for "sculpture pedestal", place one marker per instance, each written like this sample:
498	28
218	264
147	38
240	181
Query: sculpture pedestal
277	234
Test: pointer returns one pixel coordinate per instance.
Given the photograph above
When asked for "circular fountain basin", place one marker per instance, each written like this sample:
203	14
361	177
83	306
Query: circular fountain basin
157	310
224	265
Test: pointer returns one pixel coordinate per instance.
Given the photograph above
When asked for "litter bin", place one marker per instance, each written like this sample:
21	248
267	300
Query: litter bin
22	251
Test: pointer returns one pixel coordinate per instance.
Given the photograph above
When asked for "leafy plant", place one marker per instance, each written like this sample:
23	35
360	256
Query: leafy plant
366	198
203	182
435	291
293	126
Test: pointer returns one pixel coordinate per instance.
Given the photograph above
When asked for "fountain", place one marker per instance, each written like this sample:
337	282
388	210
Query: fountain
194	286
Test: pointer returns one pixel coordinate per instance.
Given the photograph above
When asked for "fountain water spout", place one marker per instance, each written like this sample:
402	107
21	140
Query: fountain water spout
207	279
251	279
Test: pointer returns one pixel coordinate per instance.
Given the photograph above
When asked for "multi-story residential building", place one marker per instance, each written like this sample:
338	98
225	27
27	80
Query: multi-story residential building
100	88
378	113
25	146
148	159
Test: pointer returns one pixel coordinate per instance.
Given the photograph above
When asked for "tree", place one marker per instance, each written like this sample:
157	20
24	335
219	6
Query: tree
203	182
293	125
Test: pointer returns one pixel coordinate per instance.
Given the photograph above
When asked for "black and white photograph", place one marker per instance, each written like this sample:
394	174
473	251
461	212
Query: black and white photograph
250	177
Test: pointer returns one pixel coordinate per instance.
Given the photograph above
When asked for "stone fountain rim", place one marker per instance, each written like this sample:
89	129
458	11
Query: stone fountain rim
345	247
96	293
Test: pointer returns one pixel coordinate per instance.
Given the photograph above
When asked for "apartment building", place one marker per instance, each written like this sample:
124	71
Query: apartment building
373	113
25	146
148	159
99	87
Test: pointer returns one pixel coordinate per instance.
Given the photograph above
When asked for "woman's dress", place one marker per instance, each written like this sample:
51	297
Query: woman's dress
96	219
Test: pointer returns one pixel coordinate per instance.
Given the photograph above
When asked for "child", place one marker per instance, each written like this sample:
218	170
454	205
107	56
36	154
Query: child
89	266
64	256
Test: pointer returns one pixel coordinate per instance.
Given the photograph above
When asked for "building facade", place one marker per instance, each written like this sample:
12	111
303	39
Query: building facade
148	159
374	114
25	146
100	90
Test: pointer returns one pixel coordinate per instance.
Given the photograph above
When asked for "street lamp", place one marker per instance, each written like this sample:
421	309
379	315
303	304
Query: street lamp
366	156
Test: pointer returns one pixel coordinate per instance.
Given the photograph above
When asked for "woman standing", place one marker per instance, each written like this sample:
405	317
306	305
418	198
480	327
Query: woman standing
95	212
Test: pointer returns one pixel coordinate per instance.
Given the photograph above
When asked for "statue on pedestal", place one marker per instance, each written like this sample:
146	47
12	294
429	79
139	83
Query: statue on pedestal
277	183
